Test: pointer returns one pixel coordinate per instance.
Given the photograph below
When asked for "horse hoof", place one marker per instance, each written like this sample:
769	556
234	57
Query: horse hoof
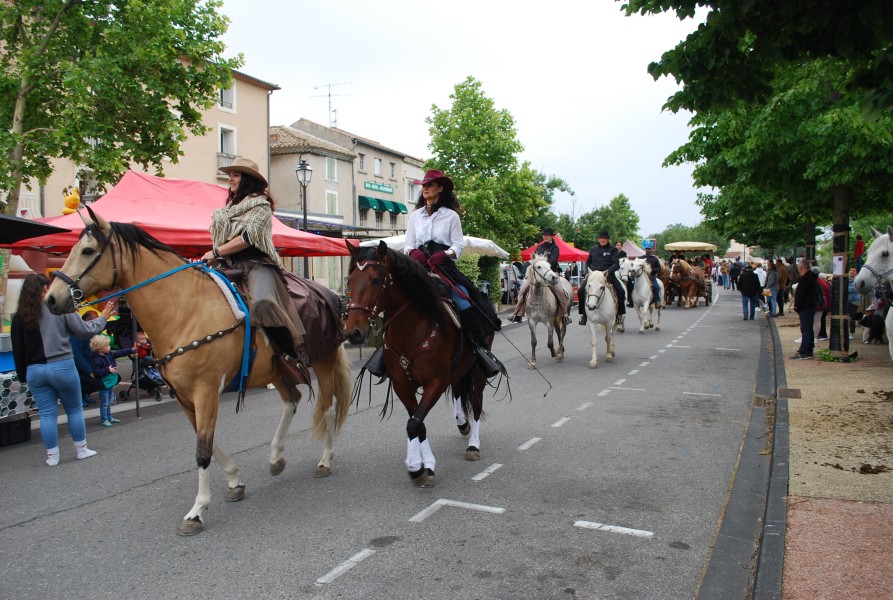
465	428
423	478
641	331
657	328
190	527
531	366
277	467
234	494
593	365
559	358
472	453
322	471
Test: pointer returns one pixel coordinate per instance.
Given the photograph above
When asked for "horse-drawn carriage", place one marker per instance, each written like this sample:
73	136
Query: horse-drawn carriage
689	280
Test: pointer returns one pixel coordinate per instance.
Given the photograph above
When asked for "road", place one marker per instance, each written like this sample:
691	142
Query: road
610	484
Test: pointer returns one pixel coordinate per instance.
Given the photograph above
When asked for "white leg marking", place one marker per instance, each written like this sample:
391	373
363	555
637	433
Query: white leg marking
203	499
428	460
460	414
413	454
229	467
277	446
475	438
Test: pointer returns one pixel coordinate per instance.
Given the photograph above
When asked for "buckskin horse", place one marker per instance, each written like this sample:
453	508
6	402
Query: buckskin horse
200	339
423	348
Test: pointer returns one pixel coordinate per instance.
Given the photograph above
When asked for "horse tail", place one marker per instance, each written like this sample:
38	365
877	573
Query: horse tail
342	375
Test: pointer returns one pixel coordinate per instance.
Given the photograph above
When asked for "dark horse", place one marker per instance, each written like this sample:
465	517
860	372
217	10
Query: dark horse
424	348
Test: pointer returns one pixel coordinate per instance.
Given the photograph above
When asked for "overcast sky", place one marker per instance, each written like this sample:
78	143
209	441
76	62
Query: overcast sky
573	73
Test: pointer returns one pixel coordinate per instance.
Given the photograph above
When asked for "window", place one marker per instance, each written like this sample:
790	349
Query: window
393	171
378	167
378	219
228	98
226	149
393	220
364	213
331	169
361	159
331	202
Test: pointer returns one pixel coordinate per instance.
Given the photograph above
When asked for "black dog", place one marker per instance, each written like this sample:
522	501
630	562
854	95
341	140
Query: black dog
874	328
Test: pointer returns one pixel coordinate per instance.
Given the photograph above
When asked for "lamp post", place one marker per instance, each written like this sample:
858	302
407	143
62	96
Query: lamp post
304	174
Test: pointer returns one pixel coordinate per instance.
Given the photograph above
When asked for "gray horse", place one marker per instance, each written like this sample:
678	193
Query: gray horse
543	307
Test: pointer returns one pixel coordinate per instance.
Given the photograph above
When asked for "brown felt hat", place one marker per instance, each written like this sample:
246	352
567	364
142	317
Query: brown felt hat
248	167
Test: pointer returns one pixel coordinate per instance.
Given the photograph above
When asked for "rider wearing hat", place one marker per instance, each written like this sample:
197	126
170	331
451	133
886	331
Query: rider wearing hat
603	257
548	248
654	263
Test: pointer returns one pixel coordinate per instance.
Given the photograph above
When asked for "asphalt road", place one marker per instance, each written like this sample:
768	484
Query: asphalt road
610	484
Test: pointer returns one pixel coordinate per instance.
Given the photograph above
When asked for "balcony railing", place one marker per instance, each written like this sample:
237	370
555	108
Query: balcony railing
224	160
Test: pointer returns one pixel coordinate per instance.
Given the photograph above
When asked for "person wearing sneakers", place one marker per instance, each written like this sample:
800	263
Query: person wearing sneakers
105	369
805	305
41	350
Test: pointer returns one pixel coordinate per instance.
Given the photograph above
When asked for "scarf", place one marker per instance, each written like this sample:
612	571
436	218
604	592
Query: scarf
252	216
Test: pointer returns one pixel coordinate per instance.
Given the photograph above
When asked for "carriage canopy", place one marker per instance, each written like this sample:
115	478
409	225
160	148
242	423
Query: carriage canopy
690	247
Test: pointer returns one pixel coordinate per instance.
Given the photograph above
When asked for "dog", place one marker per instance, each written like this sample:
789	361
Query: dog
873	327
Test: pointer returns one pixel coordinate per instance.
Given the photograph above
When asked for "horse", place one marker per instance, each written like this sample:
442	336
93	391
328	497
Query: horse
424	348
194	329
544	307
690	281
878	270
601	309
643	296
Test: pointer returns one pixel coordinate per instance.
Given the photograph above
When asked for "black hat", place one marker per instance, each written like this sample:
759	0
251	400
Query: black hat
547	231
604	234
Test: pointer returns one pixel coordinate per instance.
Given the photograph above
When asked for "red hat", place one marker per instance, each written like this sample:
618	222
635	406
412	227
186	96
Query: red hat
435	176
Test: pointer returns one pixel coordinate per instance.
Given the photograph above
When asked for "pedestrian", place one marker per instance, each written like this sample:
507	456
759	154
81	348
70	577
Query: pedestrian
724	274
749	287
783	285
805	306
549	248
771	287
106	370
242	234
853	300
603	257
859	252
41	350
825	308
734	274
80	349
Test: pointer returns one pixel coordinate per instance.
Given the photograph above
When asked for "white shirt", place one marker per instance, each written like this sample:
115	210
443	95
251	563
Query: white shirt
442	226
761	275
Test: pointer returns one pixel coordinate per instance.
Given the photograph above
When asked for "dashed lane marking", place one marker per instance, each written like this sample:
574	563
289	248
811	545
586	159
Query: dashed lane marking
487	472
644	364
653	357
584	406
561	422
530	443
437	505
675	346
613	529
346	566
702	394
620	382
729	349
633	372
604	392
625	389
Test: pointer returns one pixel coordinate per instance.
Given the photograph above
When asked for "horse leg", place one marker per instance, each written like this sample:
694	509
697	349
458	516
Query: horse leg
277	446
324	417
203	416
640	310
473	451
560	329
235	489
593	337
551	332
657	309
420	460
532	324
610	336
461	419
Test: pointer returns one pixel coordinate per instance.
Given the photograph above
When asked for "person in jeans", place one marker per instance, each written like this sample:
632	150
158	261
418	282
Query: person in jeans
772	286
105	369
750	288
805	306
41	349
825	308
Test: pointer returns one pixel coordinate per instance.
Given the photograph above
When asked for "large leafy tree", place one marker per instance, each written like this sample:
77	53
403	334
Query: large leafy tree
104	83
617	217
476	145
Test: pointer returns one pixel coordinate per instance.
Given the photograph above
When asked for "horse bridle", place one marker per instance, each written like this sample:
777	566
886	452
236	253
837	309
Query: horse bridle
881	277
76	293
598	297
388	281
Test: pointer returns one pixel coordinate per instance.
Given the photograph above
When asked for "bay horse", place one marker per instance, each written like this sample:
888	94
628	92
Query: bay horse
643	294
877	271
194	328
544	307
689	280
423	348
601	309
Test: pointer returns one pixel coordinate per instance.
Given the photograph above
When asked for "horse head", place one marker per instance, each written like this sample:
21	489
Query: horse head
596	283
368	277
878	267
638	267
91	266
540	269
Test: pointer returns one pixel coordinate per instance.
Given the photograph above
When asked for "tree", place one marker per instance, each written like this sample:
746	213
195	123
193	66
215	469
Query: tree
476	145
104	84
617	217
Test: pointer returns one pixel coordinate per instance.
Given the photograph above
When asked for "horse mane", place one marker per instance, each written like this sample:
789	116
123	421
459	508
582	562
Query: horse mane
685	266
423	296
131	238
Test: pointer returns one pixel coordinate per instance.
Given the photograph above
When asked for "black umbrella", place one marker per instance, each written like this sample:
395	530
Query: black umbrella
13	229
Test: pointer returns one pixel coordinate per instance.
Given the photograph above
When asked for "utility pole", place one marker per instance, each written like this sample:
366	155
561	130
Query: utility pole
333	113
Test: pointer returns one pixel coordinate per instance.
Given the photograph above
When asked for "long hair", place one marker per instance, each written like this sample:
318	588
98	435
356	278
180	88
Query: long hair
447	198
31	300
250	186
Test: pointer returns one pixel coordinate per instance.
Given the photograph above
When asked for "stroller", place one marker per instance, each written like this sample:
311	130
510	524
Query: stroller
148	377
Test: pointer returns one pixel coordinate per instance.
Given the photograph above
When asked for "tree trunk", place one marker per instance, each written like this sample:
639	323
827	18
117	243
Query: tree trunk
809	236
839	341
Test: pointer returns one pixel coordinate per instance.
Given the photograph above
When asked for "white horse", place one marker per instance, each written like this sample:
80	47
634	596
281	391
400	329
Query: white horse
544	307
643	297
601	309
878	270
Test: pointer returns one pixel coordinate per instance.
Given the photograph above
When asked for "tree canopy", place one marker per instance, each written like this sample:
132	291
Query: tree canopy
104	83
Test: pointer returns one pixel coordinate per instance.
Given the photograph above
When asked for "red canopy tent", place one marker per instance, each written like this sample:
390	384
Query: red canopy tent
176	212
567	253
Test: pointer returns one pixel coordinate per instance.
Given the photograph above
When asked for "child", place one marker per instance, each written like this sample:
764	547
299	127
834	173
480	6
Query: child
105	369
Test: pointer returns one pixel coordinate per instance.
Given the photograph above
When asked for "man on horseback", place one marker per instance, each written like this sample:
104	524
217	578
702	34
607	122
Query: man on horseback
550	249
654	263
603	257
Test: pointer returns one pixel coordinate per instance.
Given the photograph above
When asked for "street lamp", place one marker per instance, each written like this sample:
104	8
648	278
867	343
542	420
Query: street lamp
304	174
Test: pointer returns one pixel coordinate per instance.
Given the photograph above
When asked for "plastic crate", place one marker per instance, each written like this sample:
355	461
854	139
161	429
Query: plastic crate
15	429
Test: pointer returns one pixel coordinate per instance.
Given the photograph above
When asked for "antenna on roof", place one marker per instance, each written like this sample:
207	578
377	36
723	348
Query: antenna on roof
333	112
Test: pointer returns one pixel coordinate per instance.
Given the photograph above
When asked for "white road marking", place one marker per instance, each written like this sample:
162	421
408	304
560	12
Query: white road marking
620	382
346	566
584	406
653	357
674	346
604	392
613	529
701	394
633	372
561	422
483	474
662	350
437	505
530	442
644	364
629	389
729	349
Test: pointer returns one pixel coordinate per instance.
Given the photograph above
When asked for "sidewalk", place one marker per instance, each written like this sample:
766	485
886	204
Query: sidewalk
839	539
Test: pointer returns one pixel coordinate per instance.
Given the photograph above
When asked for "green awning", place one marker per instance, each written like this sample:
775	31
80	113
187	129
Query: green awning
402	207
391	206
373	203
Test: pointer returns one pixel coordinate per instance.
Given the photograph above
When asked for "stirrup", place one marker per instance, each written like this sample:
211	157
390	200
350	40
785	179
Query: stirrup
293	371
487	362
375	364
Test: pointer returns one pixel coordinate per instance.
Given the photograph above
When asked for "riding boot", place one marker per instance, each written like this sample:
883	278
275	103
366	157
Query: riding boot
293	371
375	364
474	328
519	308
629	295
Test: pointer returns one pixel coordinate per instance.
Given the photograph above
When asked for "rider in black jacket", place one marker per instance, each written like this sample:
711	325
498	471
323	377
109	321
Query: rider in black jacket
550	249
603	257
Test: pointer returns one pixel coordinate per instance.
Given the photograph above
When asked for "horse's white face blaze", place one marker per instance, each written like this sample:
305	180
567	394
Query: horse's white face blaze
100	277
